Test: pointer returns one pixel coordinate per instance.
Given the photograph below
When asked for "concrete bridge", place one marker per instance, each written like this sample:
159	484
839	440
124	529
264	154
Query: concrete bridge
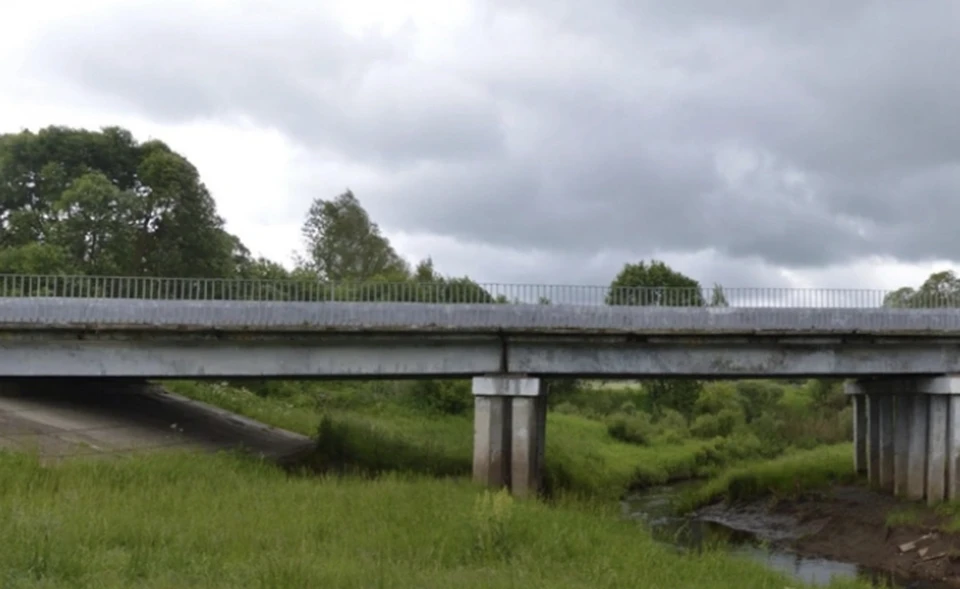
508	348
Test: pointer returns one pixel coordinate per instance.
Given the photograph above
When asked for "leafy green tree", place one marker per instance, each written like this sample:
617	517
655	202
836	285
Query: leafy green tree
433	287
656	284
107	204
940	289
344	244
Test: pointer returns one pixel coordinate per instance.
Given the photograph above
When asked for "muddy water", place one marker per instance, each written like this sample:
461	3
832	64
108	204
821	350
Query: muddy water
753	534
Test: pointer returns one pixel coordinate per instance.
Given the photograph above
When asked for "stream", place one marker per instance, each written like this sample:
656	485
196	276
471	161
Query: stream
755	535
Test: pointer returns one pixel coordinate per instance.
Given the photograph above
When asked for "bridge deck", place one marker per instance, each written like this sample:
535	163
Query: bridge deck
163	316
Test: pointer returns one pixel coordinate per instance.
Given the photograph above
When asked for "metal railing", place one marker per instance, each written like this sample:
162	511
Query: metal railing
283	290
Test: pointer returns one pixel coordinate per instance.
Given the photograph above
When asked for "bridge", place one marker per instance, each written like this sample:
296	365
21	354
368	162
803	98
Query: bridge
505	337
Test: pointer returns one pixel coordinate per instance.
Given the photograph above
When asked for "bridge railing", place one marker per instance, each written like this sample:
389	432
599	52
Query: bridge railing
217	289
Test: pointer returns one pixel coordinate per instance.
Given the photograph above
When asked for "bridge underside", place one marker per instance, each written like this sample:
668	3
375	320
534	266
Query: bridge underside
392	356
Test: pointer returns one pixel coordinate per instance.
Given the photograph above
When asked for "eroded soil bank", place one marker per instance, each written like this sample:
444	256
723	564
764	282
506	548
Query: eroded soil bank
850	524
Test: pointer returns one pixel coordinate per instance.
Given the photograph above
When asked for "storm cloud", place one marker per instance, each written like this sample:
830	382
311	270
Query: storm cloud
805	135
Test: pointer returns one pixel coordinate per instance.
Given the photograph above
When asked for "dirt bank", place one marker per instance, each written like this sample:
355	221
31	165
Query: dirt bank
849	523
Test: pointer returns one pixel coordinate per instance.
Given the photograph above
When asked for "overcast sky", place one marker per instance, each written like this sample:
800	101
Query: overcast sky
747	142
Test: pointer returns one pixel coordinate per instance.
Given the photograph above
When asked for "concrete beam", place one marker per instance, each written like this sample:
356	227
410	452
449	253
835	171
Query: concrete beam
372	356
623	359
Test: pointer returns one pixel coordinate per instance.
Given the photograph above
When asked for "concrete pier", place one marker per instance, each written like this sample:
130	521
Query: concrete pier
907	435
509	433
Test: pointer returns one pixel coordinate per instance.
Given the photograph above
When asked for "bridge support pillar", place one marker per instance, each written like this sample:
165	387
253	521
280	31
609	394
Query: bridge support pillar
509	433
907	435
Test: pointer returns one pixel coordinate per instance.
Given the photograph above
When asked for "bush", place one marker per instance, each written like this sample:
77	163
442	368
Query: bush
447	397
567	408
715	425
673	421
716	397
634	429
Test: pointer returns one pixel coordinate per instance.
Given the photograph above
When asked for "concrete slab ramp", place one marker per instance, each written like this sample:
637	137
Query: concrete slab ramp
62	419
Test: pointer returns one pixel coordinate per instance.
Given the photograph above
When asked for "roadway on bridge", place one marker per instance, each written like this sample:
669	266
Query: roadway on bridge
64	419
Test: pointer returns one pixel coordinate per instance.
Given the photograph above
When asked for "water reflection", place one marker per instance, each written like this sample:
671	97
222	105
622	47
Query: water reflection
654	507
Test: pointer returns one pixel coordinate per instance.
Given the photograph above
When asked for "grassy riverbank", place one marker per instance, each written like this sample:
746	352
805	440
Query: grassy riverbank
786	476
182	520
370	432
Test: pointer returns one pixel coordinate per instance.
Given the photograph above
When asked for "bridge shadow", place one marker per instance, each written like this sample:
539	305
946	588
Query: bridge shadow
62	418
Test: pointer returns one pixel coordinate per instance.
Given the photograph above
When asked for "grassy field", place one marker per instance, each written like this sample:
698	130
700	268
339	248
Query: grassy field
582	457
201	521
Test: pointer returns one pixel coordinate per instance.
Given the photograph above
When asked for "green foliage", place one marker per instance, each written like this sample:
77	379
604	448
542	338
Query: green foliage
673	394
712	425
633	428
98	202
448	397
653	283
718	397
344	244
940	289
786	476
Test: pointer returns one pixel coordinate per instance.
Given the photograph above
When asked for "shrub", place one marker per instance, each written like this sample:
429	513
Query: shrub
673	421
634	429
448	397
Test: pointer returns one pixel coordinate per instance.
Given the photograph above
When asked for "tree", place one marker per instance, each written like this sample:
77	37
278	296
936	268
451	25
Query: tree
434	287
107	204
343	244
718	298
940	289
654	283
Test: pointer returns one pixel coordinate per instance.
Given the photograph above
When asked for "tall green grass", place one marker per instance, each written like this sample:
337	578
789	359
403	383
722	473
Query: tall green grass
786	476
582	458
202	521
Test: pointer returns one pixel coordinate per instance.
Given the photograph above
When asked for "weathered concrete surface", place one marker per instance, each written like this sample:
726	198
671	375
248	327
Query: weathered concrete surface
324	355
873	439
63	420
887	437
901	444
67	313
937	420
491	441
860	422
917	447
953	449
510	422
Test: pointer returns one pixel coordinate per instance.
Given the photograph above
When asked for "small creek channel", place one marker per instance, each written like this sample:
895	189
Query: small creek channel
755	535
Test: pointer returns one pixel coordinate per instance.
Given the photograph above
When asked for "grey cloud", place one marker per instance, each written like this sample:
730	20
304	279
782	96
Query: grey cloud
575	129
296	71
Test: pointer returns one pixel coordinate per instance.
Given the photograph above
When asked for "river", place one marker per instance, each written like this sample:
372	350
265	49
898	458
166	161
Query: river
753	535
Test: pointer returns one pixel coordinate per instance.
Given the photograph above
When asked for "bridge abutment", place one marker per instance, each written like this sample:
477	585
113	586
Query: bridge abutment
907	435
509	432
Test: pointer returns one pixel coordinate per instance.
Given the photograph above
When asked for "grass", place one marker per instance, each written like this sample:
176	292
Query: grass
223	521
582	457
786	476
908	515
